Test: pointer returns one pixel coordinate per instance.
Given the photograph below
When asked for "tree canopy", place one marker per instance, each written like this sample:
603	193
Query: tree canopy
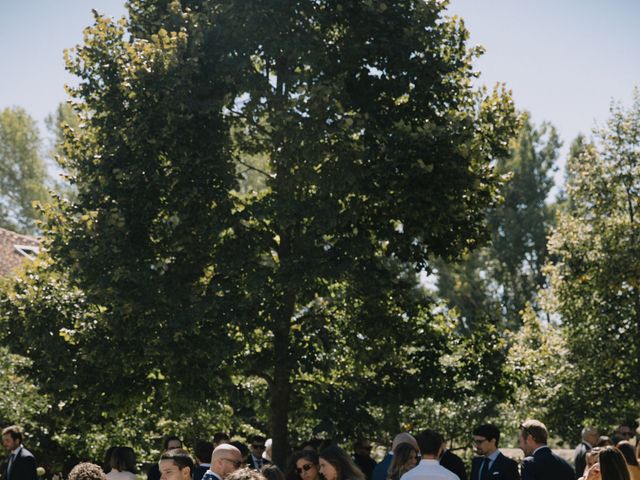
22	171
173	276
594	275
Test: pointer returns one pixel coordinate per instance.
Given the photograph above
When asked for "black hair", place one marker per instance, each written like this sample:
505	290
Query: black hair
429	442
180	457
488	431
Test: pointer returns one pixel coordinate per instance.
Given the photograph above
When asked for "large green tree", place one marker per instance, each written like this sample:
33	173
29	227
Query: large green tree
374	151
500	279
22	171
595	273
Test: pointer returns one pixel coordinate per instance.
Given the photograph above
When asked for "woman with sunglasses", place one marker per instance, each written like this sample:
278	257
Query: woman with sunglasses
303	465
336	464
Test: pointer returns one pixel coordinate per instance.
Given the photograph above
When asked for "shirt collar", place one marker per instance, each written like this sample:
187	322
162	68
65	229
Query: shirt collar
493	455
539	448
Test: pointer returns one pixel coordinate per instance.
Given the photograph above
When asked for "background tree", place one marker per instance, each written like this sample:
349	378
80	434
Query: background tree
22	171
376	154
594	275
500	279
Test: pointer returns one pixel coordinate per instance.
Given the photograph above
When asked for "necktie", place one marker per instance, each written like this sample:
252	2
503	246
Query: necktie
10	464
484	470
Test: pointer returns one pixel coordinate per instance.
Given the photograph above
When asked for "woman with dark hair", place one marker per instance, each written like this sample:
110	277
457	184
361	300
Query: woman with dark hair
336	464
611	466
123	464
405	457
629	454
303	465
272	472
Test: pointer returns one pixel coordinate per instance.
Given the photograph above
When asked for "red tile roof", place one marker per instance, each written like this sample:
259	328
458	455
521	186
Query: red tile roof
14	249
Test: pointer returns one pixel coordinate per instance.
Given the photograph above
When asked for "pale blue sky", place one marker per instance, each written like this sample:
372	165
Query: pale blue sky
565	60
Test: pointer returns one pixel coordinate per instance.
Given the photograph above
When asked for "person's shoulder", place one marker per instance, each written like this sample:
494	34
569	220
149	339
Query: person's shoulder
209	475
446	473
529	459
26	453
504	459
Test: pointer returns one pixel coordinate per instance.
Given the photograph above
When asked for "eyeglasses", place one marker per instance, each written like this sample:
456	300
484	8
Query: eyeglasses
525	431
305	468
478	441
258	447
236	463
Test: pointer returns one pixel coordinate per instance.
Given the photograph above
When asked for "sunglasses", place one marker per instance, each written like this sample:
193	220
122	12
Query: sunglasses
305	468
236	463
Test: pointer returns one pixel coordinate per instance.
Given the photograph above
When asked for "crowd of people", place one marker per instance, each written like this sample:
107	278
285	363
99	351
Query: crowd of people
420	457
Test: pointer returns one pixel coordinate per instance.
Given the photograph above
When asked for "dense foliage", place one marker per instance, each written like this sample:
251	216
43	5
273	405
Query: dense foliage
170	279
595	273
22	171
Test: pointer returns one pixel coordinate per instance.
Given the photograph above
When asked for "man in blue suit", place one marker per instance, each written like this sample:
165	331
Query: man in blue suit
492	464
540	462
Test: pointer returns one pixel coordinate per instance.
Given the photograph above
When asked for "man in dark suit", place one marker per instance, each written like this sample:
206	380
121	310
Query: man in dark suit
492	464
21	464
453	463
257	448
590	436
362	457
540	462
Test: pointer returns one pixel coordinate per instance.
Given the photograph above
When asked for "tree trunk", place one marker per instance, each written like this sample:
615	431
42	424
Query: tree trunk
280	390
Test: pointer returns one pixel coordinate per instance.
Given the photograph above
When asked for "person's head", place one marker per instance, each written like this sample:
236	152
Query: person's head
171	442
12	437
244	450
336	464
245	474
591	457
272	472
612	464
106	464
123	459
225	459
202	451
310	445
532	435
305	464
590	435
404	437
258	445
87	471
175	464
628	452
362	446
220	437
604	441
626	431
431	444
405	457
486	438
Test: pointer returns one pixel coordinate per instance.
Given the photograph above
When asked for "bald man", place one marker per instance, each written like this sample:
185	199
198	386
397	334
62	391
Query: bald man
224	460
590	436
